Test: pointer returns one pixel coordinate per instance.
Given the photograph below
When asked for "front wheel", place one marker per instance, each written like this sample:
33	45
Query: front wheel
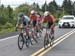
20	41
46	42
52	39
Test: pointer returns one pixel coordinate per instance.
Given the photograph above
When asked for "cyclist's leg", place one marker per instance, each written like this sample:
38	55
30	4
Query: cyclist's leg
34	32
52	30
50	35
29	37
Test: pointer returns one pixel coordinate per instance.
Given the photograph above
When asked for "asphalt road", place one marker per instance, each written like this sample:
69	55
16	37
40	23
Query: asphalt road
9	47
65	48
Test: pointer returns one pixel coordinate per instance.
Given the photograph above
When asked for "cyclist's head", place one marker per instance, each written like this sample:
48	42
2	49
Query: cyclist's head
33	12
46	13
21	14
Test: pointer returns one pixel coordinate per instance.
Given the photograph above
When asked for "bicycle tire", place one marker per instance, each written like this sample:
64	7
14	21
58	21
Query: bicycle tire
27	41
46	42
50	40
20	39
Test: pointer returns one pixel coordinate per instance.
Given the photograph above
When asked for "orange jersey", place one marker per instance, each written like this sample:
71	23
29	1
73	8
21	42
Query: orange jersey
34	17
50	19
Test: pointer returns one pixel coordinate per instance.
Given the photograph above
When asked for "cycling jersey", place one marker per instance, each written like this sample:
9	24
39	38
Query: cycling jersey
24	20
33	17
50	20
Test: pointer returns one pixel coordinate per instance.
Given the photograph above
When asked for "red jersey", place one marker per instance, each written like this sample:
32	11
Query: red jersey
34	17
50	19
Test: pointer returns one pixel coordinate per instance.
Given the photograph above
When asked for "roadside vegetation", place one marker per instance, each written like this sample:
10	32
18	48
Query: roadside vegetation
8	16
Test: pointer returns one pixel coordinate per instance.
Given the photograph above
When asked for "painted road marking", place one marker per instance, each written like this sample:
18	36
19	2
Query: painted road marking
41	48
34	54
56	44
9	38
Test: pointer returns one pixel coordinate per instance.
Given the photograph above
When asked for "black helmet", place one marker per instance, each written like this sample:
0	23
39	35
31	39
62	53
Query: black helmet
21	14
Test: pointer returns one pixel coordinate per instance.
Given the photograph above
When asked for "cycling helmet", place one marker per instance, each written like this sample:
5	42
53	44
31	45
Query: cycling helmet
21	14
46	13
33	12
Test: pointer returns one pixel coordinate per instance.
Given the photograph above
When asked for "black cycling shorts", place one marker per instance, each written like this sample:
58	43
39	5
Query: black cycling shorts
34	23
24	23
50	24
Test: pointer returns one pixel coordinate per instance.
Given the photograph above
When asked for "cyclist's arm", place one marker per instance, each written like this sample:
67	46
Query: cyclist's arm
53	18
18	22
53	21
27	19
30	19
42	21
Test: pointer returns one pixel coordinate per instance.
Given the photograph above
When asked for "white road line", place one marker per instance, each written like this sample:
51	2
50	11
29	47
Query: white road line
9	38
56	44
64	35
17	36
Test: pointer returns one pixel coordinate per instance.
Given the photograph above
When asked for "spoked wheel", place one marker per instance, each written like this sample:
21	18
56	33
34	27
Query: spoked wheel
52	40
20	41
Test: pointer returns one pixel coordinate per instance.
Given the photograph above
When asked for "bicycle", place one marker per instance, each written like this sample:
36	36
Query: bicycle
38	30
23	38
48	38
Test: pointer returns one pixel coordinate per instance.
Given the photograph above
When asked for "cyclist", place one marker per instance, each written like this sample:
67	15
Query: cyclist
34	20
39	22
50	20
23	21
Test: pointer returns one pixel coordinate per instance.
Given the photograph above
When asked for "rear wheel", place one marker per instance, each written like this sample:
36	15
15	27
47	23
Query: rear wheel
28	41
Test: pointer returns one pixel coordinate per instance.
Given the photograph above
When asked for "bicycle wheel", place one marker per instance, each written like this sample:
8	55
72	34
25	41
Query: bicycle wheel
20	41
28	40
46	42
50	40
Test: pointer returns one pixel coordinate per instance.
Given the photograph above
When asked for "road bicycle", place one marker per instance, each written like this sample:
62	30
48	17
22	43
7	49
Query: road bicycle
48	38
23	38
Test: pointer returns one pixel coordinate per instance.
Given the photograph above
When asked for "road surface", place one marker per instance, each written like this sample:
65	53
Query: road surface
8	45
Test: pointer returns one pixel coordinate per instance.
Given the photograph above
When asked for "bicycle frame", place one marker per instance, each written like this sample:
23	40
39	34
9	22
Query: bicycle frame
47	30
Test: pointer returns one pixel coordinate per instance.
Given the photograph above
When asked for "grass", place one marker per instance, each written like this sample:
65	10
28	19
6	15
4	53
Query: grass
8	30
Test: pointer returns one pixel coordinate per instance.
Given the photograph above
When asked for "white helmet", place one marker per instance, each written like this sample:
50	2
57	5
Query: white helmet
46	13
33	12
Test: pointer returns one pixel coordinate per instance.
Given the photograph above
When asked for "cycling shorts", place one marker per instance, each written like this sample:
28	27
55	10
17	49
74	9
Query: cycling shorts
49	24
34	23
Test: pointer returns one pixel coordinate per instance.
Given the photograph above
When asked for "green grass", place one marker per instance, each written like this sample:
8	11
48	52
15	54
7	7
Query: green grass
5	31
9	30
